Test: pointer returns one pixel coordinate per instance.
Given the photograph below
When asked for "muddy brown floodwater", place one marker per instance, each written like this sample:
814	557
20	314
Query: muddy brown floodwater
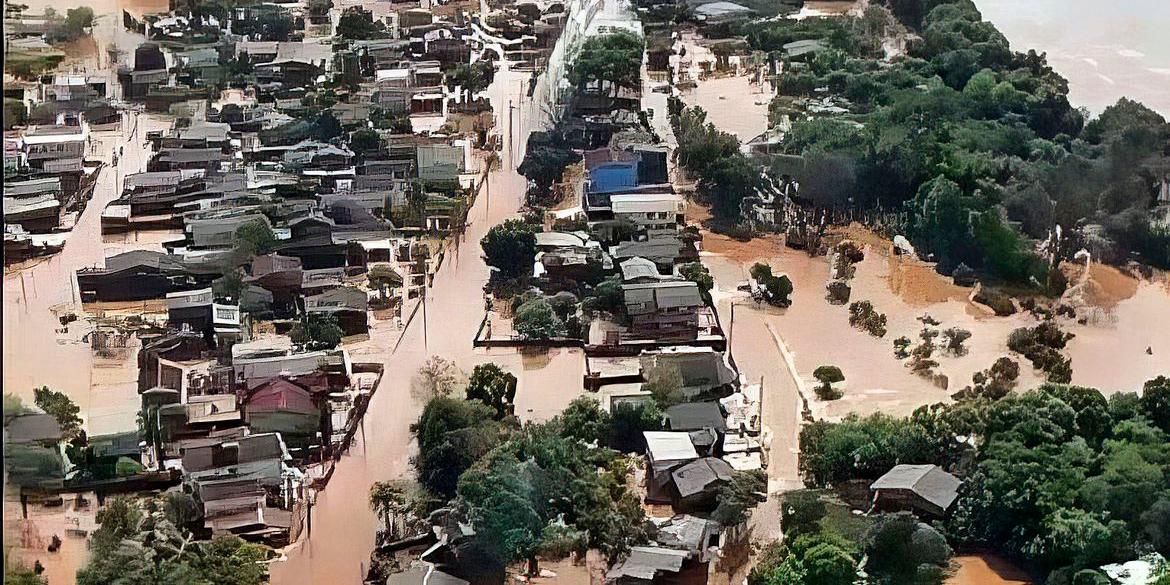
1109	353
986	570
734	104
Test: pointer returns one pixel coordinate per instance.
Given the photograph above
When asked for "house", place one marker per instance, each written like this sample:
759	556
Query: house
665	452
664	252
638	270
347	304
36	214
441	162
139	275
702	368
46	146
239	506
696	484
280	405
663	311
260	456
191	309
925	489
177	159
703	420
716	12
649	564
649	211
610	170
34	451
219	231
281	276
177	346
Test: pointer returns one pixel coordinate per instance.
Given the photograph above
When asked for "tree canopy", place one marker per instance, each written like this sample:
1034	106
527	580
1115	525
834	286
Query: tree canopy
511	247
613	60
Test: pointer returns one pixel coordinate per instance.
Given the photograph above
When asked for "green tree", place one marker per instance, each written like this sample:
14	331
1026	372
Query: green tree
613	59
628	422
61	407
452	435
727	182
326	127
778	288
511	248
829	564
365	142
698	274
494	387
665	383
827	376
1155	401
359	25
317	331
13	407
901	549
536	320
15	113
745	491
255	238
584	420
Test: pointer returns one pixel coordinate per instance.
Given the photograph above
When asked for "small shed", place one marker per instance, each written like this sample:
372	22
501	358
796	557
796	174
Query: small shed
921	488
665	451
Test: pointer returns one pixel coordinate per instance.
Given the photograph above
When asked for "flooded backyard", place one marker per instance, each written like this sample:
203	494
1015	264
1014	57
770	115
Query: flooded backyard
734	104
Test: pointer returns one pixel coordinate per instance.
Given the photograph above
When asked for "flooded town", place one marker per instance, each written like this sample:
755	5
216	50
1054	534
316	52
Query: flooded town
799	292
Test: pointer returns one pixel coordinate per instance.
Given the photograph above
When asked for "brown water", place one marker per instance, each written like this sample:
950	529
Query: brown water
35	354
1110	356
986	570
734	104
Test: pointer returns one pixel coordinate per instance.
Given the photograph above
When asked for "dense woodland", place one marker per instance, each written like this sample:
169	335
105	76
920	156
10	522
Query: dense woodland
1060	478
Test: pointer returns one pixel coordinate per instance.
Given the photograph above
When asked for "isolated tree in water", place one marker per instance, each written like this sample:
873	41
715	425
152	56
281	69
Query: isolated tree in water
827	376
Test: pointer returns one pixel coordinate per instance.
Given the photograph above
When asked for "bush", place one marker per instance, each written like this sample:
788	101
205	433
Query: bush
1041	345
317	331
863	316
997	301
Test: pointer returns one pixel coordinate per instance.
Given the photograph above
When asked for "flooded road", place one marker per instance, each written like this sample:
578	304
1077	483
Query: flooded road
1105	49
34	353
343	525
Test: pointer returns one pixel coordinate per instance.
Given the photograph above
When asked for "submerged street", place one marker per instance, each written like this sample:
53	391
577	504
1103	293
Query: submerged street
343	525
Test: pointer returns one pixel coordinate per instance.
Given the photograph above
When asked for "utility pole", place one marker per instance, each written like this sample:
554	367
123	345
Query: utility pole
511	147
424	310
